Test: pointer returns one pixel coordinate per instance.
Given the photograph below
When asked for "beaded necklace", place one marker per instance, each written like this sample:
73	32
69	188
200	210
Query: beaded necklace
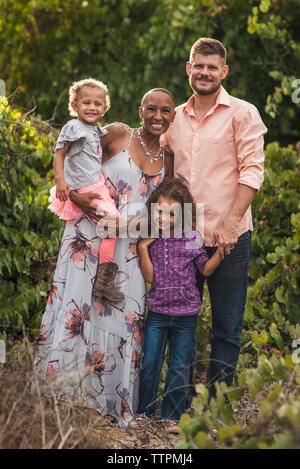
149	153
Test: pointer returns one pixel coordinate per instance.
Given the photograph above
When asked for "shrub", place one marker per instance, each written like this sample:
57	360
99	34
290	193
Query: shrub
29	233
267	372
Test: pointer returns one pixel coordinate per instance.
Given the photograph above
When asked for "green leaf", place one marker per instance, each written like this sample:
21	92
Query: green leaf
202	392
279	294
276	74
264	6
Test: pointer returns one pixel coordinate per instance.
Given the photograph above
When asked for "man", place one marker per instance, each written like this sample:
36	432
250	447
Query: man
217	141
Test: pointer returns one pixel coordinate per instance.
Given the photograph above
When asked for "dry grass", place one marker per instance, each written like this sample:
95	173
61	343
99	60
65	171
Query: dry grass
34	421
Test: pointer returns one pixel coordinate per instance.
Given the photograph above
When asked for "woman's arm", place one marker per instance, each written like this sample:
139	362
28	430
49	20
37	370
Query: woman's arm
213	262
62	189
114	141
145	261
84	202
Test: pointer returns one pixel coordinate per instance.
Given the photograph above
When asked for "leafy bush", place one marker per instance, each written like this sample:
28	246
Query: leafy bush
274	294
267	372
135	45
273	387
29	233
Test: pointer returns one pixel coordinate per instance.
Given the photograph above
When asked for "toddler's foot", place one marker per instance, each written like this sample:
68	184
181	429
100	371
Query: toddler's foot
104	284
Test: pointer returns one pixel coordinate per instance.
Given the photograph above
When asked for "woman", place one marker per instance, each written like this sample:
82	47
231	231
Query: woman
92	350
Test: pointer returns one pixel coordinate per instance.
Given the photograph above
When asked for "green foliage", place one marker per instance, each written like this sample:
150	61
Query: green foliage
274	294
274	388
267	372
135	45
274	23
29	233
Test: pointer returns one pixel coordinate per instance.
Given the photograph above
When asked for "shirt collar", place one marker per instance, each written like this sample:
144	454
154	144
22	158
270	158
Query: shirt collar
223	98
182	235
101	131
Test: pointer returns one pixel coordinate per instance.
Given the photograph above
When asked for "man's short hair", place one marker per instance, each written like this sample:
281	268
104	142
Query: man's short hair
208	46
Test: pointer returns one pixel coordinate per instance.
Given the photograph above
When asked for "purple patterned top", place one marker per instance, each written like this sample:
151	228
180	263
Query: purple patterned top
175	261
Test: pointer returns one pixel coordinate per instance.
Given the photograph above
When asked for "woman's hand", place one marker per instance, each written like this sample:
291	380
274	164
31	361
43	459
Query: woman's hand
84	202
62	189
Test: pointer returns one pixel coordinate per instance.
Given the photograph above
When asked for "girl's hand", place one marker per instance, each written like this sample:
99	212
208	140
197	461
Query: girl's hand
220	252
62	190
145	261
213	262
145	242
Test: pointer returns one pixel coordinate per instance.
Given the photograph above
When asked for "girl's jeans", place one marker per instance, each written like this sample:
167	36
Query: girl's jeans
180	334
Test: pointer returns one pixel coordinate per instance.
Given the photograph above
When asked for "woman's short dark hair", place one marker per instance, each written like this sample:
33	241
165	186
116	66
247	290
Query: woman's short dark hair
156	90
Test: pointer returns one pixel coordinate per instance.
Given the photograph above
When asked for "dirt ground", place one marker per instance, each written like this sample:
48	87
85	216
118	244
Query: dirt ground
33	421
150	436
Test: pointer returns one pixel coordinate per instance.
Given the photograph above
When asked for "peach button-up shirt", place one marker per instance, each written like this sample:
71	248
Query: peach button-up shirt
217	154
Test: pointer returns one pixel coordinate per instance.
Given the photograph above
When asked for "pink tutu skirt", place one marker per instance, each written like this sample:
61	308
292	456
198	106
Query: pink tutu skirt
69	211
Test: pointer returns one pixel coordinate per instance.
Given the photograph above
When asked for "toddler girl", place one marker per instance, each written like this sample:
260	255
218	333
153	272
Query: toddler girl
77	166
170	264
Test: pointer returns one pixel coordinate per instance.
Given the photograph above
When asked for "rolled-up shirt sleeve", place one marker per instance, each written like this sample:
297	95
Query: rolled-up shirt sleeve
164	141
249	143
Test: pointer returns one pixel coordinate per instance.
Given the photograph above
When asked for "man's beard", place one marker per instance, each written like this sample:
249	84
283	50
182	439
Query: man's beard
203	92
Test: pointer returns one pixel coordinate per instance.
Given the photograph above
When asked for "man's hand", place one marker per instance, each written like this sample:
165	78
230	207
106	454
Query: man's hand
227	235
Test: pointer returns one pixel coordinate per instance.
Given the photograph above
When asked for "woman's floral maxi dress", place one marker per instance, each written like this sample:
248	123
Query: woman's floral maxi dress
88	350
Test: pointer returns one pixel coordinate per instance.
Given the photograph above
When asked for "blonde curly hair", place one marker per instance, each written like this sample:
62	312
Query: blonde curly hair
76	87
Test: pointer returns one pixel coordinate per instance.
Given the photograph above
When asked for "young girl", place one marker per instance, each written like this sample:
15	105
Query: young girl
77	166
170	263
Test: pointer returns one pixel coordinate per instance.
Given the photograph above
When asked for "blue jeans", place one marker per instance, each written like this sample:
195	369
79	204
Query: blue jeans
180	333
227	288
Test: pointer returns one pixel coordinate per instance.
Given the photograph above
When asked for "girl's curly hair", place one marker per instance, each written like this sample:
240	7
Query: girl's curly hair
76	87
175	189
